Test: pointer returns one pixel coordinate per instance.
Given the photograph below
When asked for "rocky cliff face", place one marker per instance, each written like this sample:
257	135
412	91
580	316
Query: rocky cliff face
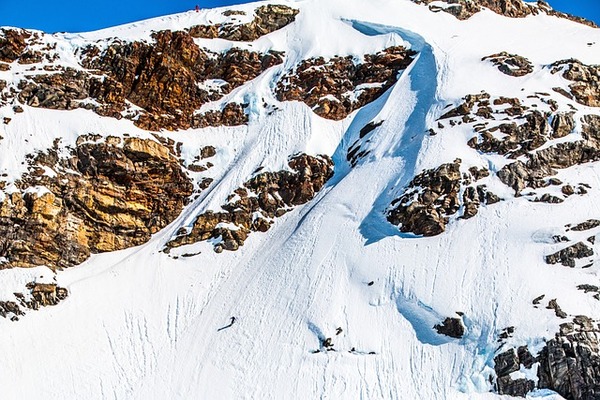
505	127
465	9
334	88
267	19
254	207
585	88
568	364
161	78
104	196
37	295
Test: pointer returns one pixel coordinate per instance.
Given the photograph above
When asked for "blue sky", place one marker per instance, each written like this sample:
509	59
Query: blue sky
77	15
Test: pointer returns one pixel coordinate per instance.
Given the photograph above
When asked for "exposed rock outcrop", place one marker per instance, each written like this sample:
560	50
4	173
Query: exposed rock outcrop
523	134
508	363
334	88
584	226
568	255
267	19
510	64
102	197
12	44
38	295
168	80
253	207
162	77
432	197
452	327
544	163
231	115
585	88
568	364
465	9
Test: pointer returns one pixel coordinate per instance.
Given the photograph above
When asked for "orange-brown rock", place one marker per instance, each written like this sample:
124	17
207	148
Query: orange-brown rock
334	88
40	295
104	197
465	9
267	19
169	79
253	207
162	77
231	115
12	43
585	88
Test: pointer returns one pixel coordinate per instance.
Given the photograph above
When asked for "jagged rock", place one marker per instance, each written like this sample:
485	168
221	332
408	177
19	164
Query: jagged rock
509	362
591	127
12	44
548	198
464	9
267	19
589	288
169	79
567	190
479	173
207	152
232	115
473	197
10	307
103	198
506	363
481	100
57	91
517	139
162	77
570	365
253	207
553	305
334	88
452	327
567	256
430	198
562	125
506	333
538	299
584	226
46	294
585	88
40	295
543	163
510	64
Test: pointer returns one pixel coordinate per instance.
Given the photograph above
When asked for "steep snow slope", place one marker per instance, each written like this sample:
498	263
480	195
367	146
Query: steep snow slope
143	324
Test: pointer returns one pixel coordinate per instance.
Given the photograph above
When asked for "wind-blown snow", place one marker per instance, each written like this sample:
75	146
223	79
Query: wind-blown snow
140	324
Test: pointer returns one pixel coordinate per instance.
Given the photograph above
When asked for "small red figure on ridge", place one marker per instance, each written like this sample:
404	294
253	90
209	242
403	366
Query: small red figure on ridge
197	8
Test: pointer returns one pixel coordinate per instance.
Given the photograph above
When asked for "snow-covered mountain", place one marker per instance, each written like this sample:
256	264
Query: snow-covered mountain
385	199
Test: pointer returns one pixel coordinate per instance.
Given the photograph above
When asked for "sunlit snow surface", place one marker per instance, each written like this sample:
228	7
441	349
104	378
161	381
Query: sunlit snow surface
140	324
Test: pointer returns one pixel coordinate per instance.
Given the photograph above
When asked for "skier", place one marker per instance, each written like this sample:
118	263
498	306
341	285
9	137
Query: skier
232	321
197	8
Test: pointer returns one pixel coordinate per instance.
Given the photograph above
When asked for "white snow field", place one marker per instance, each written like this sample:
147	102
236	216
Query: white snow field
141	324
